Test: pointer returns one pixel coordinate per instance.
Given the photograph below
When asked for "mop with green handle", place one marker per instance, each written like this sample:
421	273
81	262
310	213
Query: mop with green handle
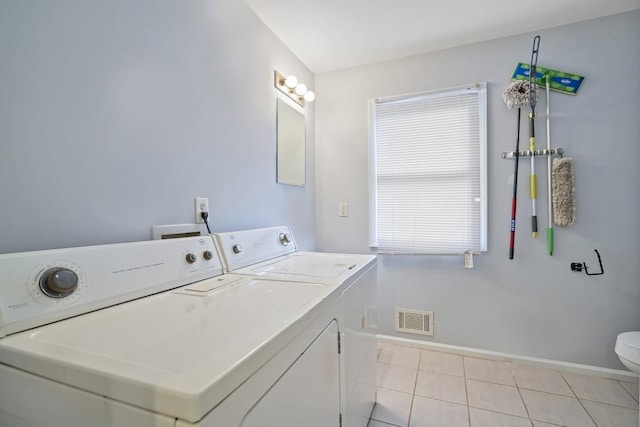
532	134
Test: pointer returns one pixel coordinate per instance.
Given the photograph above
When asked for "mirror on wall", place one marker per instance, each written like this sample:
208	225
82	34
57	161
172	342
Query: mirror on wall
290	131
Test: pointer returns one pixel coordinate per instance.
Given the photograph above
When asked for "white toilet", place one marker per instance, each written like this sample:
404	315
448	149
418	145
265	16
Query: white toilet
628	350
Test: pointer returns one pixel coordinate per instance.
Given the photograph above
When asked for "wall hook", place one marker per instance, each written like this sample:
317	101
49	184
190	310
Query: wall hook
576	266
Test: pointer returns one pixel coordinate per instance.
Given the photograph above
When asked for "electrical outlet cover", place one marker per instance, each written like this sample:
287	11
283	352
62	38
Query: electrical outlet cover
201	205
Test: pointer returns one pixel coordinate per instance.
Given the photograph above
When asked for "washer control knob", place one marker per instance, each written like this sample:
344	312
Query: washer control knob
237	248
191	258
58	282
285	239
207	255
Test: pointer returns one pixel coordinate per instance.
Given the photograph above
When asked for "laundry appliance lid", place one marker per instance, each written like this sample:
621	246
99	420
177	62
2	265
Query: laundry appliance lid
180	352
311	266
628	346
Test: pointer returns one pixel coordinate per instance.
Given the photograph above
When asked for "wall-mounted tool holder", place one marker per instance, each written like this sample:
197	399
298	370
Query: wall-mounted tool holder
529	153
522	92
577	266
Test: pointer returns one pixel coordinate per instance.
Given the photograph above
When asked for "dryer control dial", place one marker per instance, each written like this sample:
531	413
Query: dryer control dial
237	248
208	255
285	239
58	282
191	258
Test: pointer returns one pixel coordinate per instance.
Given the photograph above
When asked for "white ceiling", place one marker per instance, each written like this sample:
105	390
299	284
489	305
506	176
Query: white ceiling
329	35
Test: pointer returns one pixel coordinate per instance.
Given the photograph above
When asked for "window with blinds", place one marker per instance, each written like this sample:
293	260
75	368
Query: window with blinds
428	164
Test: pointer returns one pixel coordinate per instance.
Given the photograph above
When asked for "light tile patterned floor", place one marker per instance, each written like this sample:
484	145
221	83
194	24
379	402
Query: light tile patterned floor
423	388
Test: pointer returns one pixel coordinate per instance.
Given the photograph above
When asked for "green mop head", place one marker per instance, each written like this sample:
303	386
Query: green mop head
559	81
563	190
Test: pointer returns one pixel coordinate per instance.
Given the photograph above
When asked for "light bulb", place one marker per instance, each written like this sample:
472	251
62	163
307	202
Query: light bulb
301	89
291	82
309	96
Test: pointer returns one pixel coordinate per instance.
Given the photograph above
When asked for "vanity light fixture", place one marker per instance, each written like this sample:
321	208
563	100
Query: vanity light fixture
292	88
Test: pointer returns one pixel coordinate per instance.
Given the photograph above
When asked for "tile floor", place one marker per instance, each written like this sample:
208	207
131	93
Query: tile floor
423	388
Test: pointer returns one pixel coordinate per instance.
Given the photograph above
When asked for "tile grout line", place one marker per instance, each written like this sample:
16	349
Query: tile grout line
378	361
580	401
466	389
588	413
605	403
628	392
412	393
443	400
518	387
482	381
415	385
526	408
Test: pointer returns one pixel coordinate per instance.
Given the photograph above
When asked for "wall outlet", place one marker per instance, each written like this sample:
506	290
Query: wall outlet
202	205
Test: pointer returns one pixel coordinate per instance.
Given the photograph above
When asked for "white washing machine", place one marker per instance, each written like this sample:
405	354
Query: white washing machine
152	334
272	253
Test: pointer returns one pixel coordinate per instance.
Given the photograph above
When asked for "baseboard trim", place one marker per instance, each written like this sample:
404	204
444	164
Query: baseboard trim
576	368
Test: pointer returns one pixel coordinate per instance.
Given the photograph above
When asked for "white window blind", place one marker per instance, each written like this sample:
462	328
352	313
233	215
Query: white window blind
429	172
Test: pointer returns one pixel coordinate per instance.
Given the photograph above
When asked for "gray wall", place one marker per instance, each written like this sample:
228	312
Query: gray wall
115	115
533	305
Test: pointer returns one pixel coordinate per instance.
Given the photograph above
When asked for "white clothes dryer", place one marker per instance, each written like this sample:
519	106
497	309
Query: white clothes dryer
271	253
152	334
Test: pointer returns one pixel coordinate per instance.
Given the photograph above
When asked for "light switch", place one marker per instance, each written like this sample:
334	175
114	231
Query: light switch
344	209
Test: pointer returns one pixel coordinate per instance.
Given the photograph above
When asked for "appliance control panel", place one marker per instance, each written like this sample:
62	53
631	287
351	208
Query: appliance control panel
45	286
247	247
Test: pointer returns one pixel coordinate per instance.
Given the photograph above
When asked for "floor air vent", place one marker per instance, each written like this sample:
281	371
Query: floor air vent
414	321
